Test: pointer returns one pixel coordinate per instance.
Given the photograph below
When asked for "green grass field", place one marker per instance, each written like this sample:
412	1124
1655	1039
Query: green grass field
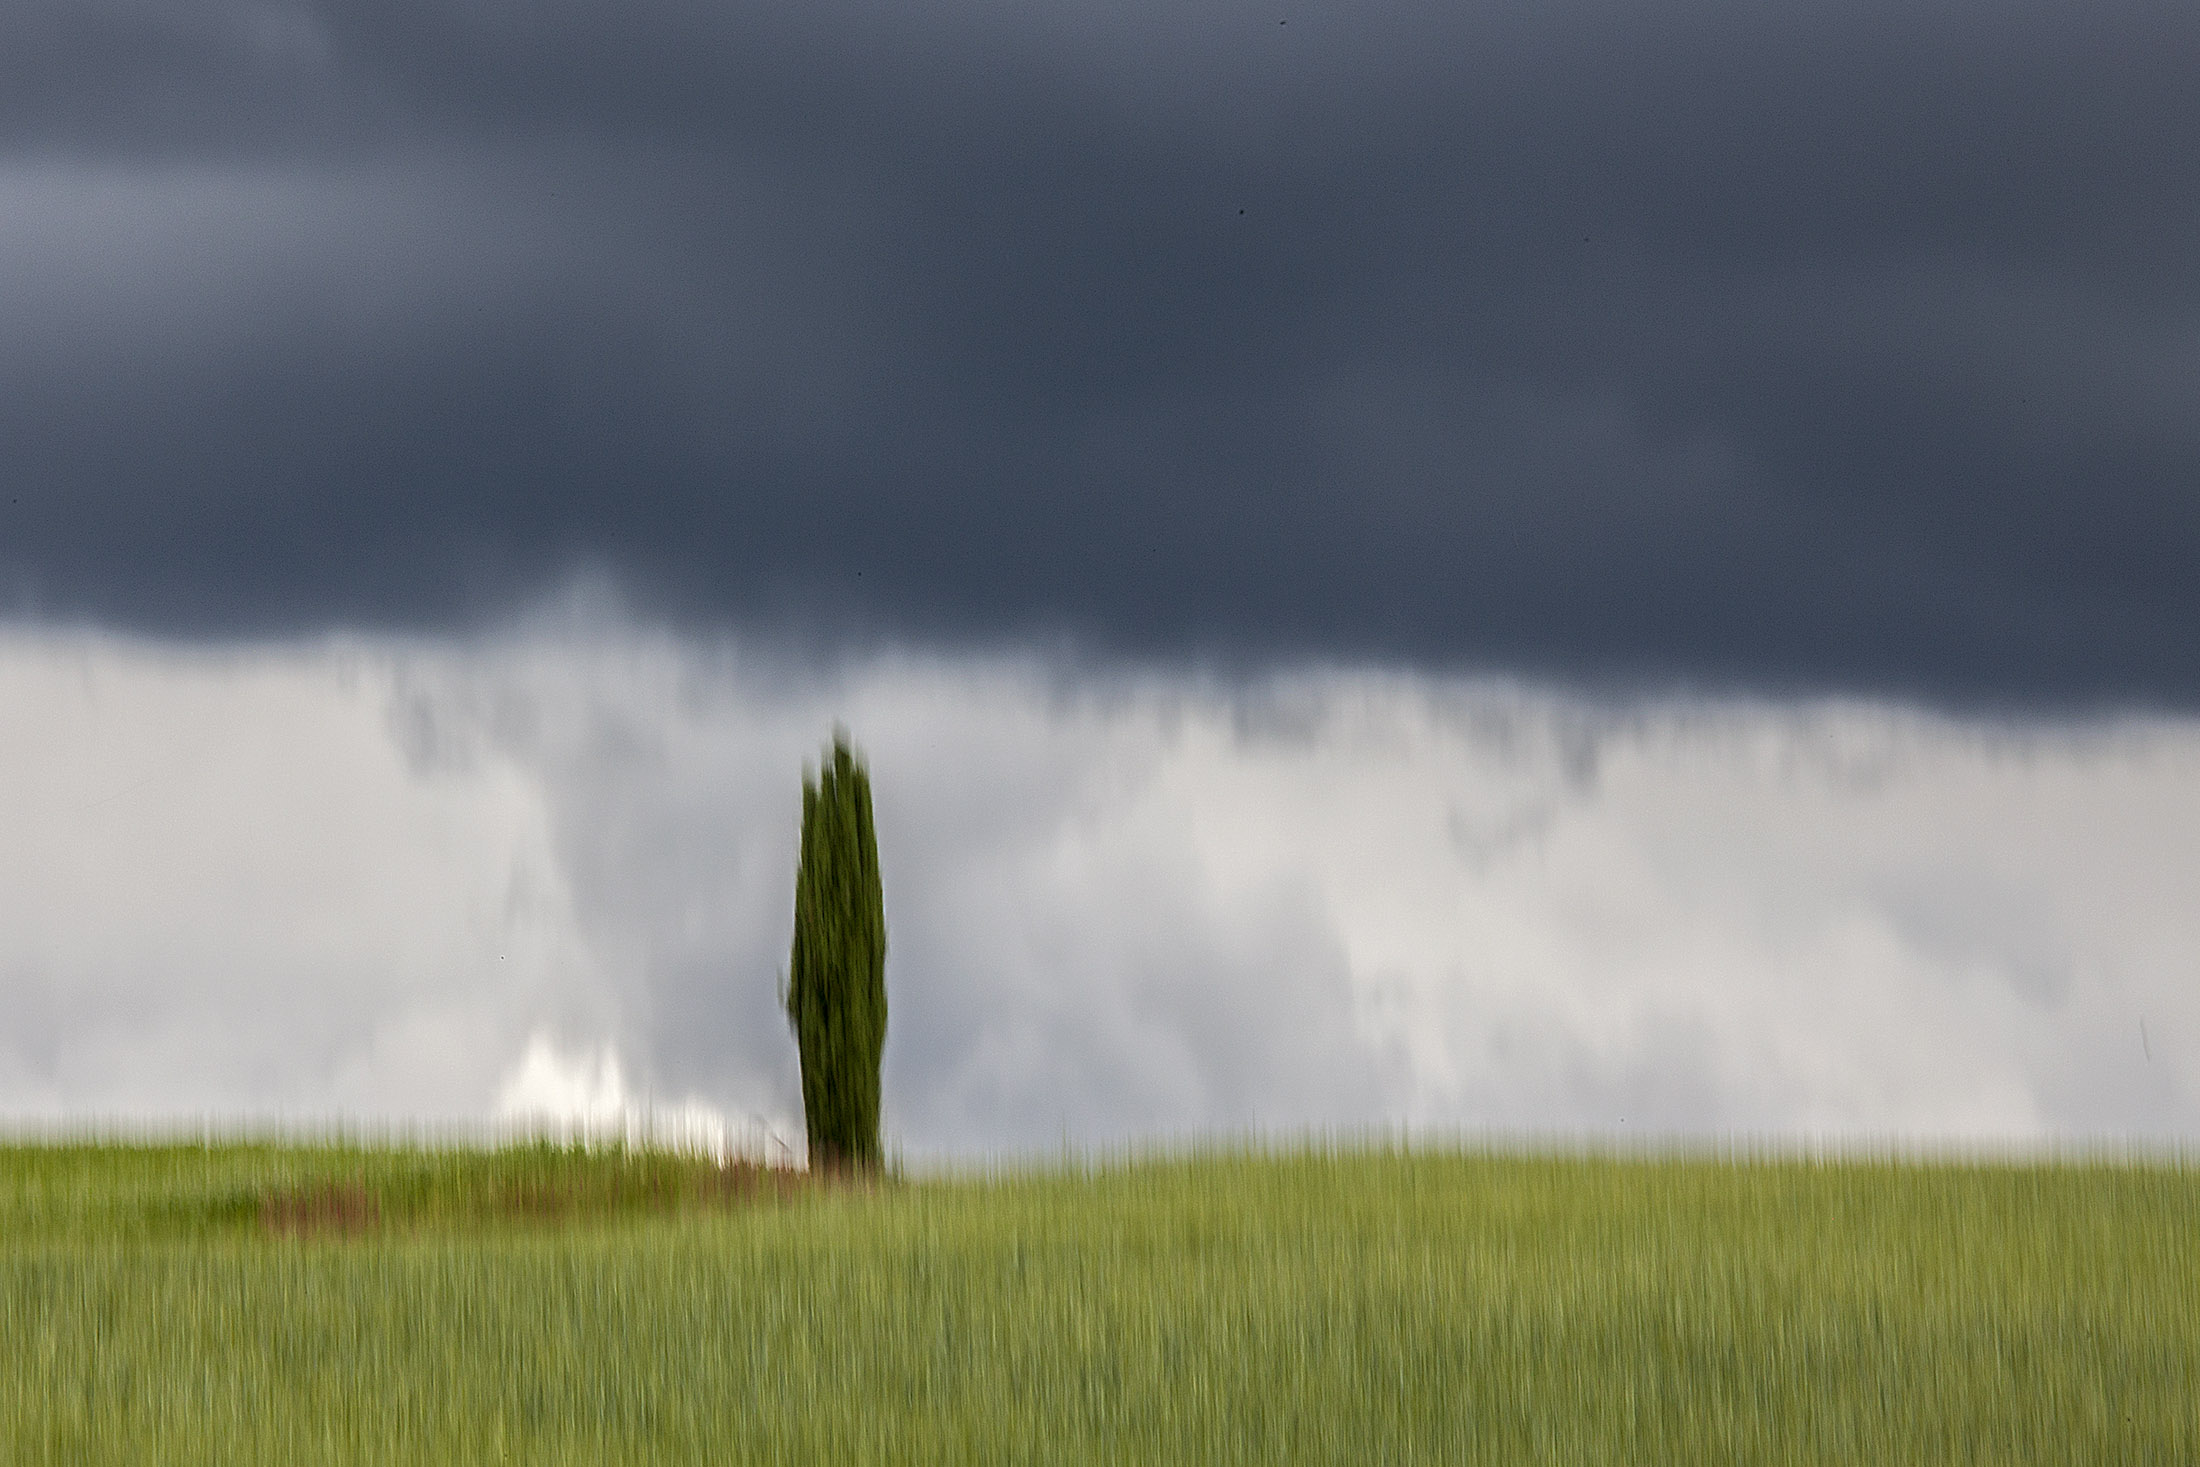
303	1304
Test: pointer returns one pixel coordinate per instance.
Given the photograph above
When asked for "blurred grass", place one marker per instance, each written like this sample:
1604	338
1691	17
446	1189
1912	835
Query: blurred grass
1366	1306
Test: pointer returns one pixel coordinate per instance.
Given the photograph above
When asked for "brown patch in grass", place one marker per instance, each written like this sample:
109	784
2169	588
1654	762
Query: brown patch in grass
331	1207
748	1181
844	1176
348	1209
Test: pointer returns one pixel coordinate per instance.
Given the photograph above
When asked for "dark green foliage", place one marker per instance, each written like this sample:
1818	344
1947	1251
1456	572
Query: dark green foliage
836	984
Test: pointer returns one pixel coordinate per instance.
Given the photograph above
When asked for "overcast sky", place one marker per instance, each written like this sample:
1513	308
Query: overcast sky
1579	565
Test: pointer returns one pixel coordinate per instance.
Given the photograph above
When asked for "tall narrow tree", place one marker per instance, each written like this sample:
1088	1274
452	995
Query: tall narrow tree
836	981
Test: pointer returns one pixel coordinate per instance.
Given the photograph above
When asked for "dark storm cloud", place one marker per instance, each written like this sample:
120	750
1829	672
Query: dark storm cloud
1851	345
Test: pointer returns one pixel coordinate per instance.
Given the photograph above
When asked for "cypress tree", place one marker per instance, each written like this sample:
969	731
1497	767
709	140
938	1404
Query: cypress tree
836	982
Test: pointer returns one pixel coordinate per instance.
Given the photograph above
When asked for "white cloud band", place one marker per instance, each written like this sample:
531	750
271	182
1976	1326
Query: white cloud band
391	880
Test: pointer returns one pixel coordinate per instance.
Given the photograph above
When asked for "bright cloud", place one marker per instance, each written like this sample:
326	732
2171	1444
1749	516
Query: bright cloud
545	877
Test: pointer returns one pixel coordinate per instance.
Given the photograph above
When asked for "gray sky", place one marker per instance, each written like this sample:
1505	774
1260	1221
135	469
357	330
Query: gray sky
1748	345
1585	566
385	879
